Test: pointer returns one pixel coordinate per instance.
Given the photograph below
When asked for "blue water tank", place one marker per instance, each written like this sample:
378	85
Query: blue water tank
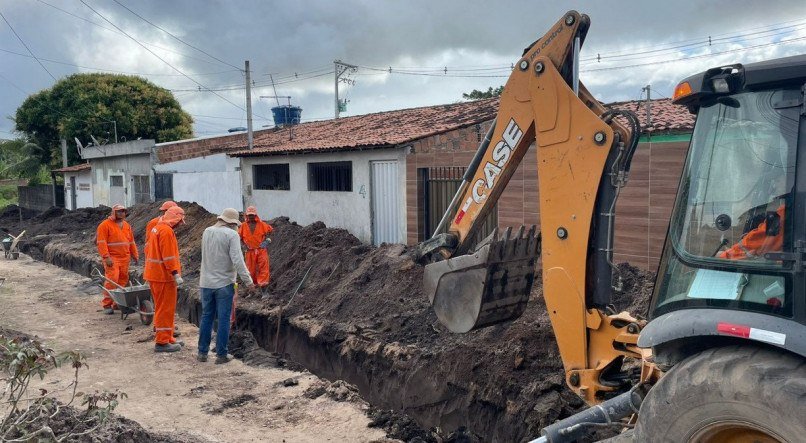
286	115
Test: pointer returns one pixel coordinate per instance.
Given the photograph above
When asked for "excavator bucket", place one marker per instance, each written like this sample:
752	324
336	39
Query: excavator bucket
488	286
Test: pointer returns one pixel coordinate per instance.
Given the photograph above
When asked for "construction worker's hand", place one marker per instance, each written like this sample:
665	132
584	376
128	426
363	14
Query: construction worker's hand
108	261
265	243
178	279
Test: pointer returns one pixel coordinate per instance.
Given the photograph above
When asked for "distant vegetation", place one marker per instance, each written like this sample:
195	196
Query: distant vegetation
478	95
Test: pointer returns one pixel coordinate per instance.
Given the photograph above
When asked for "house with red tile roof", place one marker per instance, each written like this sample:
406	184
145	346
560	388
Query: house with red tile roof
388	176
77	186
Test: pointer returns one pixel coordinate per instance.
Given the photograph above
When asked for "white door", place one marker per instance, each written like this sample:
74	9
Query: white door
385	200
117	193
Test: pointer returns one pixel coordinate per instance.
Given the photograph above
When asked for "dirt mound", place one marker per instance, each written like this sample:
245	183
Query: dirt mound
13	212
68	420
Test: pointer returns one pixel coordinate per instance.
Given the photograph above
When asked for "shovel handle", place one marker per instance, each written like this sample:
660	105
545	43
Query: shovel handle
97	273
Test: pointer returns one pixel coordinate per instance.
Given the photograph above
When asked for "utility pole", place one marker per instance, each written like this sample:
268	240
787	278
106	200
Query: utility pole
341	68
64	153
648	89
249	137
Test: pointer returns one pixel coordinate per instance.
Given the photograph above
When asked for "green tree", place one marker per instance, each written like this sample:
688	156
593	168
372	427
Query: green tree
478	95
19	158
82	105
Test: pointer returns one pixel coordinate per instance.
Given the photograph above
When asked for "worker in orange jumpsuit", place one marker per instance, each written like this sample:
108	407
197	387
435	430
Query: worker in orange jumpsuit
254	234
163	272
115	242
150	225
758	241
153	222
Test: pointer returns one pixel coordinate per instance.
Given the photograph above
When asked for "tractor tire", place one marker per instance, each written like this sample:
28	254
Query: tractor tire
730	394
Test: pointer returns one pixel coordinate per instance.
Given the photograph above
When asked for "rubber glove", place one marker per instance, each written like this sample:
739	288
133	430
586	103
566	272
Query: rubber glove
178	279
265	243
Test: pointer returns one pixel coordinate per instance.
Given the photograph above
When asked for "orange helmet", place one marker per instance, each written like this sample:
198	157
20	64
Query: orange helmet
251	210
173	216
167	204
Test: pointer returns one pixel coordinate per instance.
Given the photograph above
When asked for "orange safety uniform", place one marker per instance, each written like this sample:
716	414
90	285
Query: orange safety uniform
162	262
115	241
756	242
153	222
257	258
149	226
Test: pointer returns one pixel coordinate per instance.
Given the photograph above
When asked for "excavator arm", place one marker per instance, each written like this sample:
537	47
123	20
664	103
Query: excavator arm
583	156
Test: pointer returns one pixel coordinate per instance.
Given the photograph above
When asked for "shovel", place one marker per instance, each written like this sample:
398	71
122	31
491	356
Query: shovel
489	286
280	314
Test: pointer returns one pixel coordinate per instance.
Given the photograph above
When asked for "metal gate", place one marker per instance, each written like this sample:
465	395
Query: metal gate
117	192
142	188
438	185
163	186
385	201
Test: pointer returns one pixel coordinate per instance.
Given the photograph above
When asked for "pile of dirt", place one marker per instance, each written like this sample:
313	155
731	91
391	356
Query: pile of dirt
67	421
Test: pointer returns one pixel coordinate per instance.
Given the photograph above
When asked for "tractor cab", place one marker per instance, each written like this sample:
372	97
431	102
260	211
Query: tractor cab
735	253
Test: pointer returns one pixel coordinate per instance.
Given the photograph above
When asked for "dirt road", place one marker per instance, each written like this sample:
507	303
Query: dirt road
168	393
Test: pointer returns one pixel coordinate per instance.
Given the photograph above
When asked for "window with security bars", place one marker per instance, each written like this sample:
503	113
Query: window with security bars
142	188
272	177
330	176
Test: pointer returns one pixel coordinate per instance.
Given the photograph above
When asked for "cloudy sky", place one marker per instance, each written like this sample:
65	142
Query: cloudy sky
436	49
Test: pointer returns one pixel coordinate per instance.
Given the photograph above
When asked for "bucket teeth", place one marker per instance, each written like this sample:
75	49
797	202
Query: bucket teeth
490	286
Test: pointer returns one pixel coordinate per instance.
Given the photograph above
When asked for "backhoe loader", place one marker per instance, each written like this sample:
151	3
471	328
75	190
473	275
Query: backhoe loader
721	356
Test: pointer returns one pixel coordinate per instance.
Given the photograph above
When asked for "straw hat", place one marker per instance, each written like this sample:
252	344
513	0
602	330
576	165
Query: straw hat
230	215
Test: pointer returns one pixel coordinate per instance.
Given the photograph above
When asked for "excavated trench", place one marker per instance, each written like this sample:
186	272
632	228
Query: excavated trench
362	318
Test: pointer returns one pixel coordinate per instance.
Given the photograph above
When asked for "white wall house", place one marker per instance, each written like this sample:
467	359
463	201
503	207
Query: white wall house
77	186
121	172
360	191
212	181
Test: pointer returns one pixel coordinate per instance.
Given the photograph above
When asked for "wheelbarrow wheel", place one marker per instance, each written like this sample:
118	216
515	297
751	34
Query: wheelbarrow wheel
146	312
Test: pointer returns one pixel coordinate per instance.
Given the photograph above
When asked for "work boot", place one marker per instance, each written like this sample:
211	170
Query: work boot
109	311
222	359
201	358
179	342
168	347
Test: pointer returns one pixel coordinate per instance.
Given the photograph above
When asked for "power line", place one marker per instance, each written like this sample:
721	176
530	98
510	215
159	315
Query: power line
26	46
175	37
161	59
697	41
712	54
260	85
144	74
120	33
702	44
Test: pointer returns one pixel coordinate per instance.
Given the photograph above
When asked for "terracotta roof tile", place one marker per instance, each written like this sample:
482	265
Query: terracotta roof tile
392	128
664	115
379	130
74	168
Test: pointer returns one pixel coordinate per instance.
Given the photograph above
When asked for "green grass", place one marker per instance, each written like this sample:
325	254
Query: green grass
8	195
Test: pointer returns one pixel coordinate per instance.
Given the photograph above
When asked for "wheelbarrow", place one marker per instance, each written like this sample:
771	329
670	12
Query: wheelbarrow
11	245
130	299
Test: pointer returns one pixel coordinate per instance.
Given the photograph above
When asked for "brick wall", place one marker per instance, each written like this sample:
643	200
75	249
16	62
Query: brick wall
196	148
643	209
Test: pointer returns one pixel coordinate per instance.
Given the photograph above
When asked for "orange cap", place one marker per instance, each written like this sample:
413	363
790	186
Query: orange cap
166	205
173	216
116	208
251	210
